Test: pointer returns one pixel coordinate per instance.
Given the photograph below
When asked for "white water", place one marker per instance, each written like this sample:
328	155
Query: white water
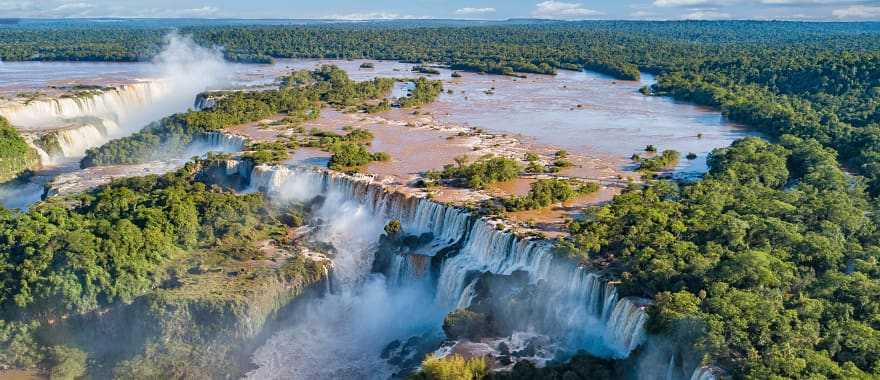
704	373
180	72
215	142
341	335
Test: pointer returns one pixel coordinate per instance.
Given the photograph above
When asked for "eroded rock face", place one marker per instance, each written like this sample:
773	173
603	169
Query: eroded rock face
205	318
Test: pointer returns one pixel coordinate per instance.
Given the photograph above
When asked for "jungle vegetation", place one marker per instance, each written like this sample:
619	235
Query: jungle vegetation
71	256
770	263
768	266
16	156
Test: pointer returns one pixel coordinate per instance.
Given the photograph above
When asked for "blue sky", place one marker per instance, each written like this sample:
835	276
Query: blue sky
846	10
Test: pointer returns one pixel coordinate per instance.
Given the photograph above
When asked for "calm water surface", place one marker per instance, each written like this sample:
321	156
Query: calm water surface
583	112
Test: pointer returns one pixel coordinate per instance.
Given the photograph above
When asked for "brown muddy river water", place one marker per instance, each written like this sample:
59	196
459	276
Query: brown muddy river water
601	120
582	112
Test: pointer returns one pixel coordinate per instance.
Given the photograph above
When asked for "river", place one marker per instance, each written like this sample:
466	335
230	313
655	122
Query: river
583	112
343	334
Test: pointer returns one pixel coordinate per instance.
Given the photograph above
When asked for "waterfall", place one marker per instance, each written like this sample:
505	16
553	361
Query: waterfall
581	306
113	103
221	139
704	373
62	129
73	142
625	327
215	142
32	142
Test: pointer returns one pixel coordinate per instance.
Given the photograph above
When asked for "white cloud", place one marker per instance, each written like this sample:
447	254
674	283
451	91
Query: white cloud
559	9
641	14
79	8
380	15
199	12
73	6
808	2
706	15
857	12
474	11
680	3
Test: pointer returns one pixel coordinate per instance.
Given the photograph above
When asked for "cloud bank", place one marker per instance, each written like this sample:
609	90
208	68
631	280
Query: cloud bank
562	10
474	11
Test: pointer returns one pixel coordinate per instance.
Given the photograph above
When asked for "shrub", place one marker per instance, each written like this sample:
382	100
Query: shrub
348	155
455	367
664	161
393	227
487	170
68	363
545	192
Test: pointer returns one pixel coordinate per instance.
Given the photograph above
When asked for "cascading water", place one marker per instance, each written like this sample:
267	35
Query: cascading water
75	124
81	121
61	130
114	103
215	142
342	334
704	373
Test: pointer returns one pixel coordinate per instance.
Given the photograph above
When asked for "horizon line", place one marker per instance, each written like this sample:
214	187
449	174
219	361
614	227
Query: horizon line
338	20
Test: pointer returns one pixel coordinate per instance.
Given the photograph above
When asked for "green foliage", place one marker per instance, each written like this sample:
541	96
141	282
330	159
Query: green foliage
266	153
18	344
300	97
425	70
73	255
619	70
349	155
454	367
776	248
392	228
382	106
335	87
826	97
467	324
485	171
664	161
68	363
545	192
424	92
581	367
771	260
16	155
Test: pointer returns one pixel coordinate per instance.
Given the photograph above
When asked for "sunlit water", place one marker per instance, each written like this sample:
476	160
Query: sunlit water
345	333
341	334
580	111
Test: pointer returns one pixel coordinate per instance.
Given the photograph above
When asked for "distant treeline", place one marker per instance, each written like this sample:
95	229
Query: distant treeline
813	80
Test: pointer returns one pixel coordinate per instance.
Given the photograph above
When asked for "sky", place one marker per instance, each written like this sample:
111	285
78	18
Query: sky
825	10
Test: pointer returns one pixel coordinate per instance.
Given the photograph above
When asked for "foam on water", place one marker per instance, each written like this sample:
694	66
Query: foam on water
341	334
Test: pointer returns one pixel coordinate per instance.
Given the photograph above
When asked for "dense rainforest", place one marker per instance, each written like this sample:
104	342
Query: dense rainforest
768	266
770	263
69	260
